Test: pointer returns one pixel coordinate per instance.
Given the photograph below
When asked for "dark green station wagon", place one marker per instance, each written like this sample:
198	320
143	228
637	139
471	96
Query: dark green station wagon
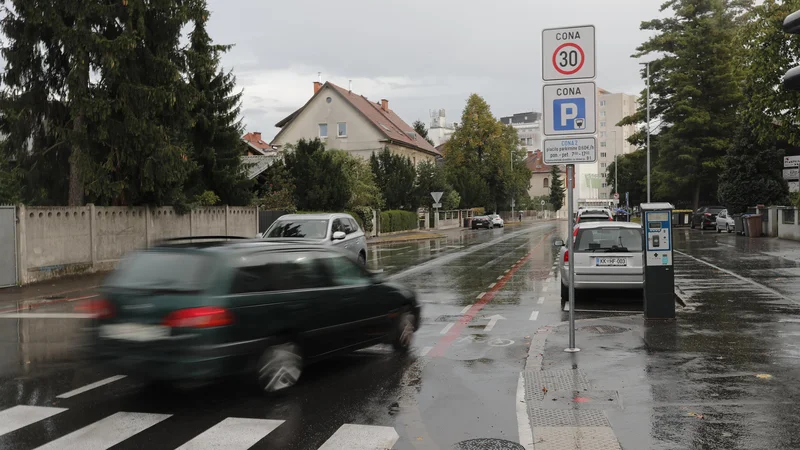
189	311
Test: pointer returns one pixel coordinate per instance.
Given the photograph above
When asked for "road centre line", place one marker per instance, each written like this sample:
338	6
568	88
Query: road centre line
425	351
480	295
492	285
544	289
500	277
540	301
446	328
454	330
91	386
466	308
534	315
739	277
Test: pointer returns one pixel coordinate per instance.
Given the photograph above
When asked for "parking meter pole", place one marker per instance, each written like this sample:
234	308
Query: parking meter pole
571	221
659	273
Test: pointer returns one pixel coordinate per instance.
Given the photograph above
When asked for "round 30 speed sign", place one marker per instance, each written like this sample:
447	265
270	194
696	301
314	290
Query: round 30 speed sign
568	53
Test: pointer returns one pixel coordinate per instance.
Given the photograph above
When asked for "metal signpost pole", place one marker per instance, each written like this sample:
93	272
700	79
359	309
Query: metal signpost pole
647	64
570	245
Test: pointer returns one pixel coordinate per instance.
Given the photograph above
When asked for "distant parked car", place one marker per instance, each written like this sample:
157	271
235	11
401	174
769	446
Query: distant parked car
481	222
497	221
725	222
706	217
607	255
601	215
336	230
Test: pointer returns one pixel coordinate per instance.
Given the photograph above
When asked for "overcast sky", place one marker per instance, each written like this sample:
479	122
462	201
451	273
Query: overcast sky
421	55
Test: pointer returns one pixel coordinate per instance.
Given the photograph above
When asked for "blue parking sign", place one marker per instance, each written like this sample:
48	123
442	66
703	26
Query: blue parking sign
569	114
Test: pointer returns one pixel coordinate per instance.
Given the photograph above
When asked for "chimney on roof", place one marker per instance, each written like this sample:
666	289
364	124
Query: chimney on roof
350	86
257	135
530	153
385	105
317	86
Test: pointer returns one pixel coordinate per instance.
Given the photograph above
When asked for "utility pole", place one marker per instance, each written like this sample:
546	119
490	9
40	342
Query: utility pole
647	64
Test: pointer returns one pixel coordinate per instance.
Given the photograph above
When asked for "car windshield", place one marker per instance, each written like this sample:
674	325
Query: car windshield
302	228
159	270
609	239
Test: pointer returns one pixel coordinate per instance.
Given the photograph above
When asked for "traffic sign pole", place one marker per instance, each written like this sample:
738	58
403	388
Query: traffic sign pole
570	244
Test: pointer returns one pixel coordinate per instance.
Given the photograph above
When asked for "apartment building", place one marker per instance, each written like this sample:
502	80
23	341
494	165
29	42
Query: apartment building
612	139
529	129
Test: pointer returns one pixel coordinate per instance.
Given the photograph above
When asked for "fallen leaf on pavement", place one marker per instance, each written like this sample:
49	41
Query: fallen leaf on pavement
764	376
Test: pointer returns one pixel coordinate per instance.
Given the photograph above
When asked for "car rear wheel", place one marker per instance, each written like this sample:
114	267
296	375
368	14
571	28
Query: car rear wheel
403	333
279	367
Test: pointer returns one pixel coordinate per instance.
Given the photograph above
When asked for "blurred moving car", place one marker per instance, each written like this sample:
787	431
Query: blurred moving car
337	230
481	222
607	255
706	217
191	311
497	221
725	222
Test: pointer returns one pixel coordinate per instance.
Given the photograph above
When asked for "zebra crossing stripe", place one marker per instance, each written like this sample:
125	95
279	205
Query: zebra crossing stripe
232	433
89	387
107	432
14	418
361	437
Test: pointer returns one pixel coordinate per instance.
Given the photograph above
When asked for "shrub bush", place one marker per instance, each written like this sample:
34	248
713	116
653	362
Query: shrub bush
363	215
396	220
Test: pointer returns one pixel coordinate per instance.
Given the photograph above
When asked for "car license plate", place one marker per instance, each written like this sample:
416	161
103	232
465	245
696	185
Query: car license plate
134	332
611	261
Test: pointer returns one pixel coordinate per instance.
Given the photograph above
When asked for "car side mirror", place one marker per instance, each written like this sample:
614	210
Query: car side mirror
338	235
558	243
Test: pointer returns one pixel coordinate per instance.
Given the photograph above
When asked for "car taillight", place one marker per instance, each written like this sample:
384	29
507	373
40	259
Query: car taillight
610	219
203	317
100	308
566	256
708	214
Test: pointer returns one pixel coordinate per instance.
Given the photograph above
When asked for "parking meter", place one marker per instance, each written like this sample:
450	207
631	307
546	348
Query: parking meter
659	274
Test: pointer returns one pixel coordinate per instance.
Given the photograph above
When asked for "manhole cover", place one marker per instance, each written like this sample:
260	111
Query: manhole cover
487	444
603	329
448	318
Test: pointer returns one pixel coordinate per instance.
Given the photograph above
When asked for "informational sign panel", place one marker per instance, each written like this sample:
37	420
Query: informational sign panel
791	161
791	174
437	205
659	245
570	109
794	186
568	53
570	150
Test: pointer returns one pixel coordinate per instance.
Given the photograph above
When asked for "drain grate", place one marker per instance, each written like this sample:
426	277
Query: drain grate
603	329
487	444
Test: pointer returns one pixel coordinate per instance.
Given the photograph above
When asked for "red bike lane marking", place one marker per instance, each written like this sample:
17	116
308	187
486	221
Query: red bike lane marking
446	341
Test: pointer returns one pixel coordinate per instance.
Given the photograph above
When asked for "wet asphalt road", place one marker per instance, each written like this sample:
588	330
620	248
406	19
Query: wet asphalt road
459	383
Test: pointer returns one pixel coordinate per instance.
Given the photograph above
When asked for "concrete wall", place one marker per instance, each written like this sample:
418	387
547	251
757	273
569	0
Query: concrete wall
788	231
58	241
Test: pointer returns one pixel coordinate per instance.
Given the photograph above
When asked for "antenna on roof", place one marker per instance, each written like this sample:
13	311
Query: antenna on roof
350	86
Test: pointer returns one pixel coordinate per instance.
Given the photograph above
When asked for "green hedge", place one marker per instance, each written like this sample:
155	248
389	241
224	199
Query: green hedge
396	220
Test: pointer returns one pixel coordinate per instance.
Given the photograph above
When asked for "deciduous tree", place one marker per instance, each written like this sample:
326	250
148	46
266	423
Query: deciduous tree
395	175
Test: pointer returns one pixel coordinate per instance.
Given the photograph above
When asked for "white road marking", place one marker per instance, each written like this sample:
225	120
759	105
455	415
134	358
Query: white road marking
480	296
492	322
523	420
566	307
789	320
466	308
89	387
745	279
20	416
550	278
446	328
534	315
425	351
492	285
500	277
106	433
361	437
46	316
506	271
544	289
540	301
232	433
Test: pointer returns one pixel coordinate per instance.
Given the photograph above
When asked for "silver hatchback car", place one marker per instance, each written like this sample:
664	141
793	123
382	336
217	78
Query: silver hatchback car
336	230
607	255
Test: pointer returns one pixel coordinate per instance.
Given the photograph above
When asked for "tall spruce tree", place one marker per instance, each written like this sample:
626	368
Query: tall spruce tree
215	136
556	188
696	89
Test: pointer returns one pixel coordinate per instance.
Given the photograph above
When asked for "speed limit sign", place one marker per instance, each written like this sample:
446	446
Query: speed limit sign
568	53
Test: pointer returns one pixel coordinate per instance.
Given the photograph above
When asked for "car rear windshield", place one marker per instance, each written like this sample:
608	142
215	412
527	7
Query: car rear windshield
609	239
585	218
175	271
303	228
714	210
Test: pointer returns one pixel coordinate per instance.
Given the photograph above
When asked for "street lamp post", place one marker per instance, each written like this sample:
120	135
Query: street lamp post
616	169
647	64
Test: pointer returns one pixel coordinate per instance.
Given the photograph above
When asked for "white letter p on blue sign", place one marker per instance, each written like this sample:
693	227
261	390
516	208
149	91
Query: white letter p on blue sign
569	111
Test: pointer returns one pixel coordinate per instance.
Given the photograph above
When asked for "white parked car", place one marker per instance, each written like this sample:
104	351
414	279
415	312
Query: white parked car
336	230
497	221
725	222
607	255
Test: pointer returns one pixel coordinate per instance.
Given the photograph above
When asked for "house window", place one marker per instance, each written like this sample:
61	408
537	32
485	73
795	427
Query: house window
602	144
602	165
602	113
323	130
342	129
602	103
603	195
546	183
603	185
530	141
602	134
603	124
602	154
521	141
415	160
